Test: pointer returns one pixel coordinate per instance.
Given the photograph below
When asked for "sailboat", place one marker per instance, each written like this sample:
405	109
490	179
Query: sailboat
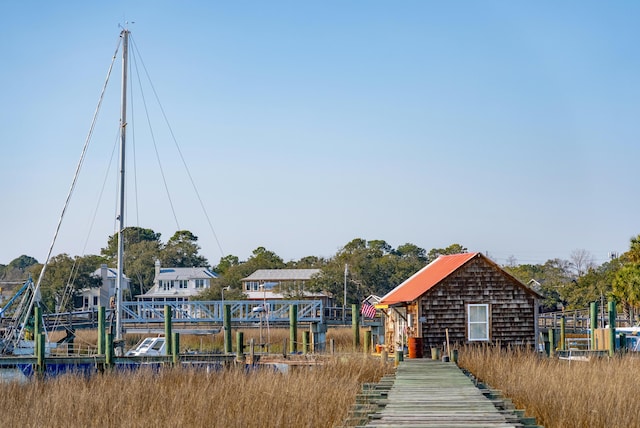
16	333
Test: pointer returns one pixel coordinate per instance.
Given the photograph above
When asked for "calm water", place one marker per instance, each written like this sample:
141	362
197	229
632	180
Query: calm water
12	375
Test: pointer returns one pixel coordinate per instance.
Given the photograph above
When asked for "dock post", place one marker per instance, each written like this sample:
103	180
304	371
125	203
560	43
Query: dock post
41	346
367	341
355	326
102	323
108	355
561	345
37	322
552	343
332	346
593	315
305	342
228	348
612	327
239	346
252	350
167	329
293	328
175	348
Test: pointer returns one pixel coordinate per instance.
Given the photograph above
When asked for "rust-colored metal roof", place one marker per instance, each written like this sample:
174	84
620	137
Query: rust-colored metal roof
426	278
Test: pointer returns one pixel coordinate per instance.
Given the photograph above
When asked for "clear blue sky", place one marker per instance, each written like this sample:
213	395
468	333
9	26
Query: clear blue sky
508	127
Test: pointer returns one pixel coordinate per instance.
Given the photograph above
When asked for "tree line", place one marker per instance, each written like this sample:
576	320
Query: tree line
372	267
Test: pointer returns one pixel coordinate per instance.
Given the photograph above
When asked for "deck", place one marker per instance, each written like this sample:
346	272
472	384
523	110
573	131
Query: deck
428	393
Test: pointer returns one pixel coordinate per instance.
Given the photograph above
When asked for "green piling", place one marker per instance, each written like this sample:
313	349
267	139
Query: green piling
41	345
305	342
175	348
561	345
355	326
228	346
612	327
37	322
108	355
167	329
593	315
367	341
552	343
102	325
239	346
293	328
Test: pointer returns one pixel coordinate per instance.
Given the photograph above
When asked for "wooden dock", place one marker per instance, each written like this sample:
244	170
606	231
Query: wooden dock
428	393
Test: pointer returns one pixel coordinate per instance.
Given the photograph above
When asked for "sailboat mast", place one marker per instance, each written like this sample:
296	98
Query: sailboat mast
123	135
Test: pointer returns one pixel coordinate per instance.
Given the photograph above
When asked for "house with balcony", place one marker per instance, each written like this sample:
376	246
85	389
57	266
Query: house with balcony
281	284
177	284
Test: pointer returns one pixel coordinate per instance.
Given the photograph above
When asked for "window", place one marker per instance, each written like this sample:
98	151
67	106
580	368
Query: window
201	283
478	322
95	300
183	283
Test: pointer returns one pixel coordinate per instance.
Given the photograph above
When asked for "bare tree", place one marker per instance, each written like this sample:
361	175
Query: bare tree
581	261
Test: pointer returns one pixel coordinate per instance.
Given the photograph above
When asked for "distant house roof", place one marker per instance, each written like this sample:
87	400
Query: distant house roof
431	275
281	275
185	273
111	273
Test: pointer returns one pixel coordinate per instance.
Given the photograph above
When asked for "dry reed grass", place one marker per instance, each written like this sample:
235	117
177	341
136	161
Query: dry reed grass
318	396
562	394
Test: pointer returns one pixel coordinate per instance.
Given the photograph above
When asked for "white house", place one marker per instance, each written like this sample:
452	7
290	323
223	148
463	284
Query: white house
173	284
274	284
92	298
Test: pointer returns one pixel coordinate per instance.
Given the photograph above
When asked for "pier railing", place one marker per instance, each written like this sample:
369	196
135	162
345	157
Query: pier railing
210	312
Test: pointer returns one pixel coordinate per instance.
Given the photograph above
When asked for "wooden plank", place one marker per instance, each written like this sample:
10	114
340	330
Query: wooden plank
428	393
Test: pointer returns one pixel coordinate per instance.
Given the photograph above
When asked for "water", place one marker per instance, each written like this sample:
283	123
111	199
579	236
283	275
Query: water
8	375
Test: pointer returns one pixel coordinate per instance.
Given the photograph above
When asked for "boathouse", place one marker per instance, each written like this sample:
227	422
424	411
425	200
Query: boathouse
459	299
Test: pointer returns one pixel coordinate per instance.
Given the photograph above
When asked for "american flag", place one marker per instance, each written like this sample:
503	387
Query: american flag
368	310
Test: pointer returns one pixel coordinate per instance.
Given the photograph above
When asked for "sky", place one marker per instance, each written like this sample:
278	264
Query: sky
510	128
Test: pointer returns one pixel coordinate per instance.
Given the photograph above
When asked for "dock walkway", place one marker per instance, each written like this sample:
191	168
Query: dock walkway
428	393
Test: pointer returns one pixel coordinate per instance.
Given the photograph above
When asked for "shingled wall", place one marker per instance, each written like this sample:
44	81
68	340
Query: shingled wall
512	306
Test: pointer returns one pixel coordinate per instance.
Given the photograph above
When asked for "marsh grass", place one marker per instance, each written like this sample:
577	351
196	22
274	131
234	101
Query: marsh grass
600	393
317	396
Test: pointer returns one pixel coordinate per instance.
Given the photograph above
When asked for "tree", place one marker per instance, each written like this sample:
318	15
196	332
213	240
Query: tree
451	249
65	276
373	267
626	287
182	251
131	236
581	262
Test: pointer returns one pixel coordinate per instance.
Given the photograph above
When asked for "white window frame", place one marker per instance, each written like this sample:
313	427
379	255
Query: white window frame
478	322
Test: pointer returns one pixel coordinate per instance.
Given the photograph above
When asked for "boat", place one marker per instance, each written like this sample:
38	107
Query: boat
149	347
